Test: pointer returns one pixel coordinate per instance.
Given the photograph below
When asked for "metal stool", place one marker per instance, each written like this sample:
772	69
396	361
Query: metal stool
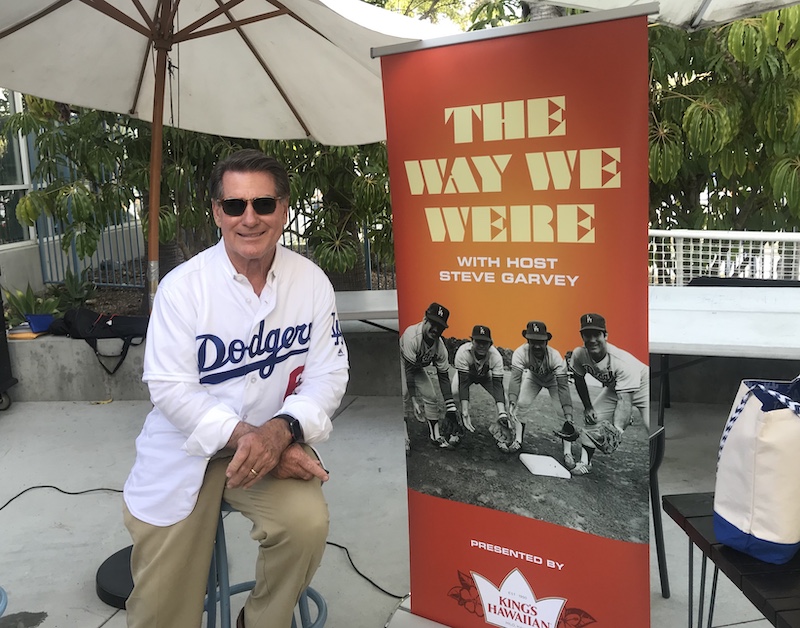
220	589
114	584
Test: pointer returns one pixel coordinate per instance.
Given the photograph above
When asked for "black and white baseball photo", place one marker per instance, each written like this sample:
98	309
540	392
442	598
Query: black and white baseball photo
481	431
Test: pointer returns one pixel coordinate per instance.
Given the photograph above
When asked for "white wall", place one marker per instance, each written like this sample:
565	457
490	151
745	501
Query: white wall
20	265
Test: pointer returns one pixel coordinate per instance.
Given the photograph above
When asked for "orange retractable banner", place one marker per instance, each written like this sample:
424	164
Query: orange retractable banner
519	181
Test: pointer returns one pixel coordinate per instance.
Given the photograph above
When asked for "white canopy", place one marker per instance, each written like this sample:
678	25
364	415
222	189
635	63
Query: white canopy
688	14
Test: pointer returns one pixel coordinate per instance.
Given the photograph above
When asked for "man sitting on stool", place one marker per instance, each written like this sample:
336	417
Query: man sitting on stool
245	365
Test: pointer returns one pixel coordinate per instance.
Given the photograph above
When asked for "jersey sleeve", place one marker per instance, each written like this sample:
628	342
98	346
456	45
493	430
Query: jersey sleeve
558	363
495	363
462	359
576	362
442	365
519	359
325	374
409	344
627	377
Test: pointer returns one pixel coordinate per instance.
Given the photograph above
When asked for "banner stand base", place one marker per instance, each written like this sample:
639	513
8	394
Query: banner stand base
404	618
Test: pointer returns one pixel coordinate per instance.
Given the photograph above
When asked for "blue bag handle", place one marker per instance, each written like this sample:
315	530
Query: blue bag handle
763	394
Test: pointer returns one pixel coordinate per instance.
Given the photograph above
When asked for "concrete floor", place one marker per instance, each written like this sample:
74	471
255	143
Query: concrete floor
53	543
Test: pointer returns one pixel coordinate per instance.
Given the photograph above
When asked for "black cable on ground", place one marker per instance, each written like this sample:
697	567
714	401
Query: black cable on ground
372	582
60	490
117	490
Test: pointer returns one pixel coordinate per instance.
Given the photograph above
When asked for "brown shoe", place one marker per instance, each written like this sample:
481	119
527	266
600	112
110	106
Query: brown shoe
240	619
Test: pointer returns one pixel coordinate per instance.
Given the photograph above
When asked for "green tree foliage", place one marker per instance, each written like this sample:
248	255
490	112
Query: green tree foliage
93	165
342	194
724	134
725	125
432	10
724	148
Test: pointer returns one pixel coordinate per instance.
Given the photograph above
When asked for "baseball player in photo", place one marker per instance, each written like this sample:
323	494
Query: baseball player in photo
479	362
625	393
420	346
536	365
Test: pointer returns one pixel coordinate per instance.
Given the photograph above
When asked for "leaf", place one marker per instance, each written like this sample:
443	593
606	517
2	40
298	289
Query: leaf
666	151
455	593
787	25
33	205
21	303
465	580
785	182
575	618
707	125
747	42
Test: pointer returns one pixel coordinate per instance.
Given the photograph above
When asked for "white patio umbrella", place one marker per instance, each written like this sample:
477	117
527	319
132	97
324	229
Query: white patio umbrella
259	69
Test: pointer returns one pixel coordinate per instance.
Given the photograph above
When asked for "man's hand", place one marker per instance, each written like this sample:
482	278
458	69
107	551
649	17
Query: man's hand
590	416
258	451
512	409
296	463
419	413
467	420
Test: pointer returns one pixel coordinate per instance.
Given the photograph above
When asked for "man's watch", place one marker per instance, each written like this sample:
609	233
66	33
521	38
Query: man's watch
294	427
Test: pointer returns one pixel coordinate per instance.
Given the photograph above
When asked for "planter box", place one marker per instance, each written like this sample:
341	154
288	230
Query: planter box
58	368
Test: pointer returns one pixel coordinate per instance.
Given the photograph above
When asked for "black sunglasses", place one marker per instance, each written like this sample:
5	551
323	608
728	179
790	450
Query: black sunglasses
263	206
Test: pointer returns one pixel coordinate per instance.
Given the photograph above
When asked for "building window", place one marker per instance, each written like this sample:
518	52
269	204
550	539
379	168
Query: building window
15	177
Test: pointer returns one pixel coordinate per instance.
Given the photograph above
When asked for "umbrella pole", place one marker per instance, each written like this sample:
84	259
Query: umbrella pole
156	149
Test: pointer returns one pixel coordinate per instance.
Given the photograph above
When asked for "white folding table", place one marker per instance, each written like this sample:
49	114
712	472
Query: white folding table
368	306
727	321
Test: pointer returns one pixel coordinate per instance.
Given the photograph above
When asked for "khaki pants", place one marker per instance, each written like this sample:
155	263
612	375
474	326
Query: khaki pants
170	564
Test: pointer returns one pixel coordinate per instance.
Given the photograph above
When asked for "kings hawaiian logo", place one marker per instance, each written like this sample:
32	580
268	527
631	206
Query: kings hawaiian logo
514	604
276	345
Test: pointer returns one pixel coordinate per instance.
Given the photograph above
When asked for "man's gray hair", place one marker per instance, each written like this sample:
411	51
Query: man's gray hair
249	160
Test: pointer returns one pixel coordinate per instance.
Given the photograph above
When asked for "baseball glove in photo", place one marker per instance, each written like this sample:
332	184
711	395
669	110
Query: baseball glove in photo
568	432
605	436
503	433
451	427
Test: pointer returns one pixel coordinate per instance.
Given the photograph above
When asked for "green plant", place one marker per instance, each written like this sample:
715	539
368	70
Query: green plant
20	303
93	165
340	192
75	290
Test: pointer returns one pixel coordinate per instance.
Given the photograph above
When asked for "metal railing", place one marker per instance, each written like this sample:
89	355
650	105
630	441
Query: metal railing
121	258
676	256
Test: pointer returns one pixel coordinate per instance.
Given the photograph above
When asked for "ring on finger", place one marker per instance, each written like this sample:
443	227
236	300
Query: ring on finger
253	471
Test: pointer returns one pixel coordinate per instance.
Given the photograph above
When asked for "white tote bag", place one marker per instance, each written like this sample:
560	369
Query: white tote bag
757	494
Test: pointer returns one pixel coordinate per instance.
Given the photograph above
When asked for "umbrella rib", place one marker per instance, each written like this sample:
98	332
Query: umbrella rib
142	70
185	33
264	65
115	14
150	42
44	12
173	10
298	18
143	13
